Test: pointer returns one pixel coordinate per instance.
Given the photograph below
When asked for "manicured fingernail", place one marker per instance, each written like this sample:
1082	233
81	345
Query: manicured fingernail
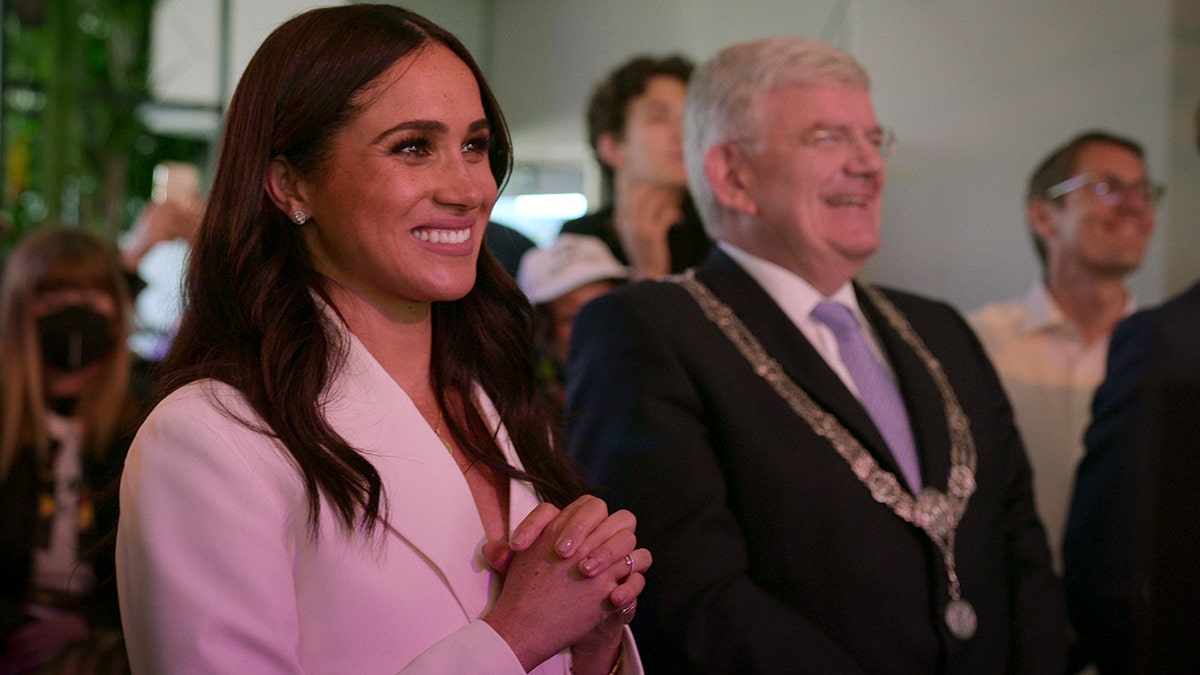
517	539
589	565
565	545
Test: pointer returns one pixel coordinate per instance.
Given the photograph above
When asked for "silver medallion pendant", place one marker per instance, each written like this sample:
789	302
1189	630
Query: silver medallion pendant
961	619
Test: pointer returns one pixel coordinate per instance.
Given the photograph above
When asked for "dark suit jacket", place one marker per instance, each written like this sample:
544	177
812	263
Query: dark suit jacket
769	555
507	244
1104	544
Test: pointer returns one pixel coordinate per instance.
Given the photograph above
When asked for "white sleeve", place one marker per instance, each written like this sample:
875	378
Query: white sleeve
205	545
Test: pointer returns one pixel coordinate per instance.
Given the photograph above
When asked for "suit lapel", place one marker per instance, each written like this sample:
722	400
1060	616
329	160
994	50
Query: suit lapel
788	346
922	399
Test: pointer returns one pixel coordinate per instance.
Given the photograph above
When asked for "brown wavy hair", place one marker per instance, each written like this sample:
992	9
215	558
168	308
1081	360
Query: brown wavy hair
251	320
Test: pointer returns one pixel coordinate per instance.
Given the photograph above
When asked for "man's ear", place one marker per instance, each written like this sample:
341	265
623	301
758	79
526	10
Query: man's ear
286	188
1043	218
610	149
729	175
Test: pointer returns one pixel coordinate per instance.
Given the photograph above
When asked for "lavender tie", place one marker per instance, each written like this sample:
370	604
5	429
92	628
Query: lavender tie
876	388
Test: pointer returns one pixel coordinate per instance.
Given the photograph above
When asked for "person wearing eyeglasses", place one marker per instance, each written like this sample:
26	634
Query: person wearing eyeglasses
1090	207
826	470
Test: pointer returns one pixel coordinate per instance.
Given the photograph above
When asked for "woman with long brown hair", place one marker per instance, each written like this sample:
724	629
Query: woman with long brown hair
350	469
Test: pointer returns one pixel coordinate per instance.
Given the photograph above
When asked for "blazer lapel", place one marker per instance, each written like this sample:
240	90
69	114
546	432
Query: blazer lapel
922	398
788	346
522	498
428	504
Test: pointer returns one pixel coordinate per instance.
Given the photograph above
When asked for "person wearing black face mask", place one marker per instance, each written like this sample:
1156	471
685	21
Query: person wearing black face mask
66	412
74	337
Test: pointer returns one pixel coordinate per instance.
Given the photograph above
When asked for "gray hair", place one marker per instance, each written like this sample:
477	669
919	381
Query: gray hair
722	96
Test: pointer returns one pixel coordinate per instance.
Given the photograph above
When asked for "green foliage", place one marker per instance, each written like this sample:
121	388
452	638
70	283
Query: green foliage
74	149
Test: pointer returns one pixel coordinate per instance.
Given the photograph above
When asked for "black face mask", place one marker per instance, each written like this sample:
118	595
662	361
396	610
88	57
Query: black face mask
74	337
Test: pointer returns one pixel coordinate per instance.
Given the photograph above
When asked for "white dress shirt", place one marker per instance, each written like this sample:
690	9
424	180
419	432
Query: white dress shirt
797	298
1050	375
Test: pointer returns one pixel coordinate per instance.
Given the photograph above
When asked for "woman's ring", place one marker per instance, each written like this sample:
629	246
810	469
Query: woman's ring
629	561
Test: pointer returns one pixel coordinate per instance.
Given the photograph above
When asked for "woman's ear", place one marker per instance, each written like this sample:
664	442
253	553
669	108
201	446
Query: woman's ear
286	188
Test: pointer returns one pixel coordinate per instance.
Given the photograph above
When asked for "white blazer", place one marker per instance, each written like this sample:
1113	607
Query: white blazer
217	571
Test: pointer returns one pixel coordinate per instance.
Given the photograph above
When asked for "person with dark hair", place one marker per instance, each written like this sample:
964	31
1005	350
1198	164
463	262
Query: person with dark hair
68	400
1090	208
826	470
634	122
348	468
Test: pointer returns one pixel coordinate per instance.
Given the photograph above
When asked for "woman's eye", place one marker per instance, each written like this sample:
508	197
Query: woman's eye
415	146
478	146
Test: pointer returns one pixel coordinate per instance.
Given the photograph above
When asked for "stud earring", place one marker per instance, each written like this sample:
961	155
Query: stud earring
299	217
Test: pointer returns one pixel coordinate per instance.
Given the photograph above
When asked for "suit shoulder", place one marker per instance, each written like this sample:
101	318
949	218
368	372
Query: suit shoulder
638	309
643	294
592	223
1181	306
921	305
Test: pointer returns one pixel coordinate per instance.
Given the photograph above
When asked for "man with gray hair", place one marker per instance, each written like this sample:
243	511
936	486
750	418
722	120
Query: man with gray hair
827	471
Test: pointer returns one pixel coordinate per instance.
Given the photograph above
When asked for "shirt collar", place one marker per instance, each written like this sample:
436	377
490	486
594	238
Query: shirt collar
795	296
1042	313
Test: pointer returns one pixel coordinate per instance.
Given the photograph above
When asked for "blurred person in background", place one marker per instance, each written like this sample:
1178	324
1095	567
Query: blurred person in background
635	127
559	280
1090	207
69	402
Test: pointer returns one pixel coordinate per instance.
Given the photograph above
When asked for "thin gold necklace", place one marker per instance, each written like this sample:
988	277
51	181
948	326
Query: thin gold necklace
437	431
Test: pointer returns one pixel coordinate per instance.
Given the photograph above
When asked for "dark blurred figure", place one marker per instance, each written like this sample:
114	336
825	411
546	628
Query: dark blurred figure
69	401
507	244
1107	551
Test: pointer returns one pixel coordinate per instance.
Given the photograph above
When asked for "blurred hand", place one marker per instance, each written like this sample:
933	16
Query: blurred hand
642	216
159	222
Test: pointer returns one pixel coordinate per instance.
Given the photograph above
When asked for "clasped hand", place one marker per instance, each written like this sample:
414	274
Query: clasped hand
572	578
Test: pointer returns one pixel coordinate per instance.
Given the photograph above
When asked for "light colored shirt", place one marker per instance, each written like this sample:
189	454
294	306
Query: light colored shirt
1050	375
797	298
57	566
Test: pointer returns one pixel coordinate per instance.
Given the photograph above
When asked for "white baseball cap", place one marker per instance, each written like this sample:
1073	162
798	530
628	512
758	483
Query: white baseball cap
571	261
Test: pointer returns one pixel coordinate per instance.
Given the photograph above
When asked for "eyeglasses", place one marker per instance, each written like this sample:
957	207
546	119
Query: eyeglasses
1108	189
842	138
831	138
